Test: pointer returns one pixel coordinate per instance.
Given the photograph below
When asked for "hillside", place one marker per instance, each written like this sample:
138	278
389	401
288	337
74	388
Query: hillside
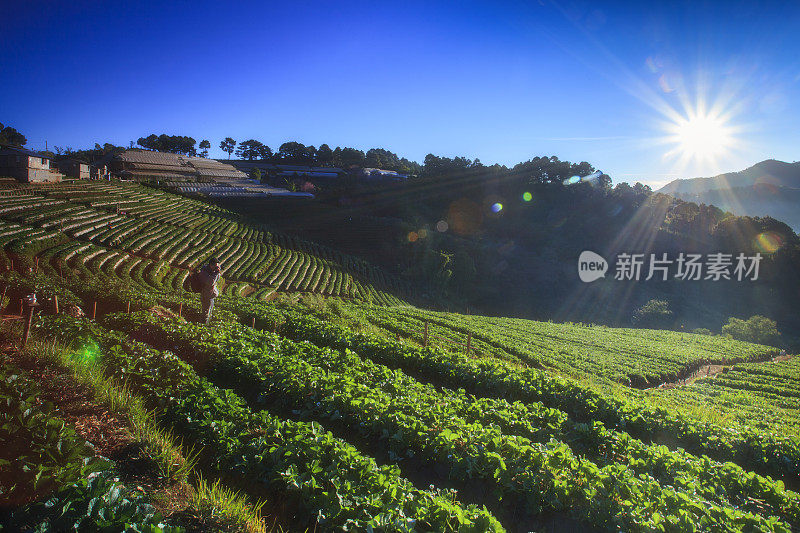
132	232
355	411
442	234
766	173
769	188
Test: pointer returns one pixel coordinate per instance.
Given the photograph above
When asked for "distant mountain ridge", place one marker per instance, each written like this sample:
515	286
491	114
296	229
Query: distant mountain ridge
768	173
769	188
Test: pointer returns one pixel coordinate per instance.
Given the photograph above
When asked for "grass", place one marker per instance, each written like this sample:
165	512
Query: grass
174	461
228	504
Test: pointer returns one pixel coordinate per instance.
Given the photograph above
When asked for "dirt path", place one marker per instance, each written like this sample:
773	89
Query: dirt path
712	370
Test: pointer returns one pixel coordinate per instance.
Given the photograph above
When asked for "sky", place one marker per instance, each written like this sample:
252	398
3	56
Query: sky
611	83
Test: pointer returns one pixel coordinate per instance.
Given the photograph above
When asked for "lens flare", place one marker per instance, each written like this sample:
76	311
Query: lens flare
526	196
464	217
442	226
768	242
413	236
497	207
88	353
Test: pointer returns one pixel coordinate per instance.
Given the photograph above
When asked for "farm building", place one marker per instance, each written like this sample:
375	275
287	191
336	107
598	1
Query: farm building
379	174
288	171
142	165
27	166
74	168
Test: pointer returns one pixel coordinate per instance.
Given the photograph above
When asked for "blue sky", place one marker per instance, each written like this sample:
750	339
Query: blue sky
501	81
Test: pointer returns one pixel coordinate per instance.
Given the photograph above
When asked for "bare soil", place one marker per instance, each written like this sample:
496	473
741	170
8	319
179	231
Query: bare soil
111	436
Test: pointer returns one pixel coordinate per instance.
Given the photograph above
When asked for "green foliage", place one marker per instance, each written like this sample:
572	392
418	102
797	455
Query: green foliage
52	479
771	452
145	245
39	452
757	328
44	286
205	146
227	145
413	419
252	149
176	144
9	135
253	402
97	503
655	314
333	483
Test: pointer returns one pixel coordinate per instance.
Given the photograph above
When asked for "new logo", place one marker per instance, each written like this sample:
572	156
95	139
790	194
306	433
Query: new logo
591	266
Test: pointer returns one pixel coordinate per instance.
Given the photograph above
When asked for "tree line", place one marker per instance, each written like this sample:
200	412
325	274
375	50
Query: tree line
293	152
10	136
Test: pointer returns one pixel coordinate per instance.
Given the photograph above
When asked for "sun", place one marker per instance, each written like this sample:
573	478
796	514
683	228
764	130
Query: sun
699	138
702	137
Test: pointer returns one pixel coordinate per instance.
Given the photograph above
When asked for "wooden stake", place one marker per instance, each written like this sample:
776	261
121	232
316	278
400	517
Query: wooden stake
128	310
469	342
60	271
55	303
21	306
36	263
27	329
5	288
94	310
180	309
425	340
254	323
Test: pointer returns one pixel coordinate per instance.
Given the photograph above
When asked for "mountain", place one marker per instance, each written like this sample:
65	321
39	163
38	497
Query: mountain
769	188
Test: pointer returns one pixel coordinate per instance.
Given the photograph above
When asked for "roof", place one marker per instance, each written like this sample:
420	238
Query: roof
143	163
155	158
145	174
221	173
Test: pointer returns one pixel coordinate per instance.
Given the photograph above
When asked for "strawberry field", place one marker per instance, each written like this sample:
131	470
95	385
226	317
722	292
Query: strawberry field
640	358
134	234
347	415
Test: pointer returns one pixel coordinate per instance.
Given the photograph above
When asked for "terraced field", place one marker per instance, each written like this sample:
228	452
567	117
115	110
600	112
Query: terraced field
145	236
640	358
761	396
340	425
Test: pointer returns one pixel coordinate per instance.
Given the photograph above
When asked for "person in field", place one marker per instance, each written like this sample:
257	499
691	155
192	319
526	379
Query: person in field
208	276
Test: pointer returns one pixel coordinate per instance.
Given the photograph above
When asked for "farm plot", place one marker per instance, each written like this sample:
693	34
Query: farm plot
132	219
763	396
636	357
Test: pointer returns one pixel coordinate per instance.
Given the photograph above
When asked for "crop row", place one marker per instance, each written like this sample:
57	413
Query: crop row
763	396
466	434
331	482
154	228
51	478
770	452
637	357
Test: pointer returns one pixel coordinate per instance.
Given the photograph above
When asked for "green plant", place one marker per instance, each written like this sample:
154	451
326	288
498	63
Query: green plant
757	328
654	314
